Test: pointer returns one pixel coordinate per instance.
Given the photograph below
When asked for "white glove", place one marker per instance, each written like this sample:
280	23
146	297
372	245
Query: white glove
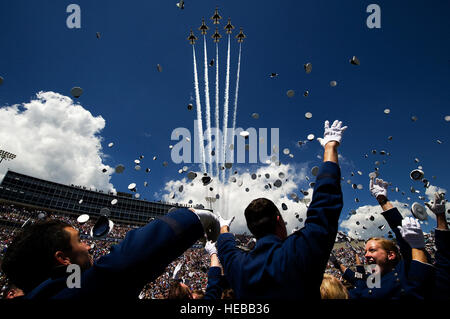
177	270
412	233
438	207
333	133
225	222
210	223
378	188
211	248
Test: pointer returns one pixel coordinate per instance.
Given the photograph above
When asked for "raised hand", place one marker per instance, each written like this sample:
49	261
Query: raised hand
333	133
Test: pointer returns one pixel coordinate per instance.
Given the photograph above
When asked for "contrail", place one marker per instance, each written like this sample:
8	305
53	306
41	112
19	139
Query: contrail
225	110
199	113
237	91
217	110
208	107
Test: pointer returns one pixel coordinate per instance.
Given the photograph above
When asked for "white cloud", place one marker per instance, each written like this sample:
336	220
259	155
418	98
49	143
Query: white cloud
54	139
364	213
237	198
363	217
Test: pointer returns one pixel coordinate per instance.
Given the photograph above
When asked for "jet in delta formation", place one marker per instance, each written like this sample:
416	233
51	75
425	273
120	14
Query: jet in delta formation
216	17
203	27
192	38
216	36
241	36
229	27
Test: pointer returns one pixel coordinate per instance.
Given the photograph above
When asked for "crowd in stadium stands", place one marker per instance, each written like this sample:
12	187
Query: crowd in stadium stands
195	260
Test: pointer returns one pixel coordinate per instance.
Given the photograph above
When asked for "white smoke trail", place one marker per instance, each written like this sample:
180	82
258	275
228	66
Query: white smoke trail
217	110
225	111
199	113
208	107
237	90
217	185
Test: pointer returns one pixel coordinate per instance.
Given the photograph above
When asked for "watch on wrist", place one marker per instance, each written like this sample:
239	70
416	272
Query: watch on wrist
382	199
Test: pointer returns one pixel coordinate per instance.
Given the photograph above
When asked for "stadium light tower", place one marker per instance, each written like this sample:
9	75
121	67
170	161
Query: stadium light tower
6	155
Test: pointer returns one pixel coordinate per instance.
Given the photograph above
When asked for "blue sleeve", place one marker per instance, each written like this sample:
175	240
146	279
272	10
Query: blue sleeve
214	289
420	280
229	257
349	275
140	258
394	219
360	269
312	245
442	264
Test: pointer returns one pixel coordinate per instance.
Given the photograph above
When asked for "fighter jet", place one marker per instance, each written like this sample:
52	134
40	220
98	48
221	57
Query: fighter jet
180	4
216	17
192	38
229	27
203	27
216	36
241	36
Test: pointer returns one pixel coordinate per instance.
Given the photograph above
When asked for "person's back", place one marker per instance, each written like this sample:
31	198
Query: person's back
281	267
270	271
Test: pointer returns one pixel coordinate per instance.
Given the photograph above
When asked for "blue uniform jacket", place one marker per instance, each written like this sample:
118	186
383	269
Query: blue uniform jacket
140	258
408	279
441	289
293	268
397	284
214	288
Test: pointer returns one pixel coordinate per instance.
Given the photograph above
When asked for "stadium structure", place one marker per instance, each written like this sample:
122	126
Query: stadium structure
75	200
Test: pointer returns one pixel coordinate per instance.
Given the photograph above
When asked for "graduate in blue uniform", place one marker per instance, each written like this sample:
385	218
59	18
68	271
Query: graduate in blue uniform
178	289
405	273
38	258
441	287
217	283
281	267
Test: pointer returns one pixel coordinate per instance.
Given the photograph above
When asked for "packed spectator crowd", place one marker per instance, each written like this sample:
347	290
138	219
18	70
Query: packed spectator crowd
195	261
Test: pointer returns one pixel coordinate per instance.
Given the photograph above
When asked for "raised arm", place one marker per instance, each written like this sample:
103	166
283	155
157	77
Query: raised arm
378	189
140	258
315	241
213	289
420	273
442	243
227	250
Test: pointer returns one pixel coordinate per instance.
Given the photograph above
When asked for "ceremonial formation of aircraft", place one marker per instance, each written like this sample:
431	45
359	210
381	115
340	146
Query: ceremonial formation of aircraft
216	36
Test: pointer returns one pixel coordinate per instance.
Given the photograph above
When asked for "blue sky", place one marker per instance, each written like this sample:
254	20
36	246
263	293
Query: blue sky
405	66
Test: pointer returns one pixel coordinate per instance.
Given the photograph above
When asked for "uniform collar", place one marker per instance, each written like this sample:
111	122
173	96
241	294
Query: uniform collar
268	239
